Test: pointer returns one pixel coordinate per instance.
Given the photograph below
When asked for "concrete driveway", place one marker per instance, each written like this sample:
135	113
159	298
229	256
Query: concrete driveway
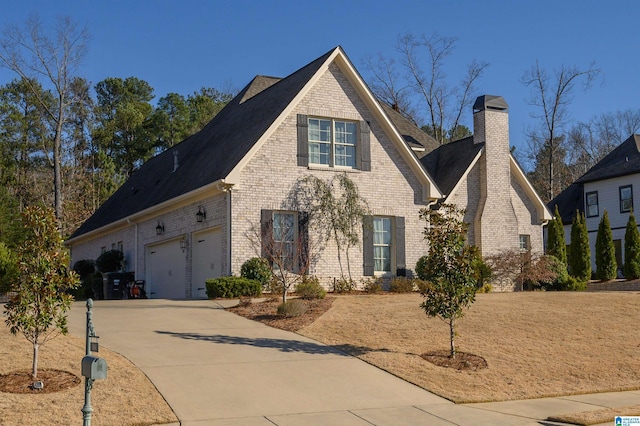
215	368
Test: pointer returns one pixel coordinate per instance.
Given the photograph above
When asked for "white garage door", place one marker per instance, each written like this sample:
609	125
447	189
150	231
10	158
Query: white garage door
207	257
166	266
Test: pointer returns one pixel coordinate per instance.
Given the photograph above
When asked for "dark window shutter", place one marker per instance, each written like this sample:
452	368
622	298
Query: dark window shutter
365	147
303	241
367	245
399	240
266	232
303	140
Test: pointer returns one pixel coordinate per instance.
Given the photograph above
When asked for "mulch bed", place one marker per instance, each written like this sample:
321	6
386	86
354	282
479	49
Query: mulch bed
266	313
53	380
462	361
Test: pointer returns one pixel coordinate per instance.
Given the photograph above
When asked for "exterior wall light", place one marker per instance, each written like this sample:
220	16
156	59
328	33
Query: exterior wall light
183	243
202	214
160	228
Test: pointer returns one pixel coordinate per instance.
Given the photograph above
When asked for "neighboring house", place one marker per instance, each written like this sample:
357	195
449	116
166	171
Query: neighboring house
187	214
610	185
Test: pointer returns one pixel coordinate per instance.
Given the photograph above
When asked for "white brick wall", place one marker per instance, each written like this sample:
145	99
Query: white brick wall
390	187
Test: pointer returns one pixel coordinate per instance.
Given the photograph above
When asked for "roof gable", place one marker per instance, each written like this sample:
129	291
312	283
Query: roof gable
221	149
623	160
449	162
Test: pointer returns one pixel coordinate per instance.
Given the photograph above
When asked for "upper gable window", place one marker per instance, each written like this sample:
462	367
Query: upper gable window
332	142
626	198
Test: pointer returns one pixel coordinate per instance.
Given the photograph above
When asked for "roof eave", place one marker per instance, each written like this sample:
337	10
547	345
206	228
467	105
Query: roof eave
544	214
211	189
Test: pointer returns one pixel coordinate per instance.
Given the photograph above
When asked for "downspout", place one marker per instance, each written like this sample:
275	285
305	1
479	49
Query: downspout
226	188
229	231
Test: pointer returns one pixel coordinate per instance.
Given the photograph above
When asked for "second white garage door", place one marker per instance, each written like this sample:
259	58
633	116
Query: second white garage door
207	259
166	266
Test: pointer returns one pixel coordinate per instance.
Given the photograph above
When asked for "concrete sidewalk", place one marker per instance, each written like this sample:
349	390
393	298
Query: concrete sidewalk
215	368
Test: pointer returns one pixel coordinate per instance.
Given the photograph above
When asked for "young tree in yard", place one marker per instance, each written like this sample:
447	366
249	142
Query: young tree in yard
556	244
449	267
579	255
632	250
38	310
605	251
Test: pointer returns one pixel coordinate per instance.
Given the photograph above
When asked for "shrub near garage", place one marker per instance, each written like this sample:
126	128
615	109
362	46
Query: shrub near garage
232	287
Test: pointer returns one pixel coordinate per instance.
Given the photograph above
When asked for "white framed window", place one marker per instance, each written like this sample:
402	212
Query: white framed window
592	204
525	242
382	244
332	142
626	198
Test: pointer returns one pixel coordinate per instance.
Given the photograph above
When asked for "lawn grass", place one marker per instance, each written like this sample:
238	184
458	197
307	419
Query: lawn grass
538	344
125	397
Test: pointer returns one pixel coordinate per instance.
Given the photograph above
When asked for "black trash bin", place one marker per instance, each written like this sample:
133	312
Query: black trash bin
115	284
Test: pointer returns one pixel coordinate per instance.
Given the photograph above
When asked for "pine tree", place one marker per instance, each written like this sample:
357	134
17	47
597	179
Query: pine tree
556	245
579	256
606	266
632	250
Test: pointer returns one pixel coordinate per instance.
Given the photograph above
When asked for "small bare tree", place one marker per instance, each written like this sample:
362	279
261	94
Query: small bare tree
287	246
520	267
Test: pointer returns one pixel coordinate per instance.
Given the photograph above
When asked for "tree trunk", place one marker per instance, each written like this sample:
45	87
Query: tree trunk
34	368
452	334
57	165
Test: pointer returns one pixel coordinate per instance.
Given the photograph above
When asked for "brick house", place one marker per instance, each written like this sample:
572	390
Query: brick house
186	214
609	185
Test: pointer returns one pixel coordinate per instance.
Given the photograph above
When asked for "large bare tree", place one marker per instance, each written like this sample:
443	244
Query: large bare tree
551	95
422	84
52	59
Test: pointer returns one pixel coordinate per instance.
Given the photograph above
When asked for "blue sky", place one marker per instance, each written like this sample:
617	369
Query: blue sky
180	46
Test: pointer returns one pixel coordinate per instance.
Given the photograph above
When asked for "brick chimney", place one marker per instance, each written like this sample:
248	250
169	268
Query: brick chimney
496	223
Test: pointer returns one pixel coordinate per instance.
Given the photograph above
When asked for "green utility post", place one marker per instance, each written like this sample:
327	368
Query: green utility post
92	367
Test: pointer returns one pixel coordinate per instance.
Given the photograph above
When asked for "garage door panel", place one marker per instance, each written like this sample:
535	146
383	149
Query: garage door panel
207	260
166	266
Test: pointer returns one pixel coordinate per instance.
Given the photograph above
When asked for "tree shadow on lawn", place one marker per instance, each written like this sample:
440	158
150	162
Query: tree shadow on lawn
282	345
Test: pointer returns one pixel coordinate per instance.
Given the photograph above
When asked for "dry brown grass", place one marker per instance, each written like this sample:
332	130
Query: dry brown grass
125	397
597	416
536	344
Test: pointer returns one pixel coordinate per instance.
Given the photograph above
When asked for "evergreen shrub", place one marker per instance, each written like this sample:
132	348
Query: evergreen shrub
232	287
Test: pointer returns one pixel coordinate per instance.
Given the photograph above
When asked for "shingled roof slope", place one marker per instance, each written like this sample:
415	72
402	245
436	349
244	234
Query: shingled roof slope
411	133
623	160
210	154
448	163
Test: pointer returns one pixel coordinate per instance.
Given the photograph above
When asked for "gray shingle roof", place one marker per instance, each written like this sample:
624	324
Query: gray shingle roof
411	133
447	163
209	155
624	160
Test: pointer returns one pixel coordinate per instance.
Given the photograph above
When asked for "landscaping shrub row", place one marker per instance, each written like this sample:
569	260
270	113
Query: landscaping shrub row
233	287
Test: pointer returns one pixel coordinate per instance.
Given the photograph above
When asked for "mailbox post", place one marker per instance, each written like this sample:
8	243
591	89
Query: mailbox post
93	367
